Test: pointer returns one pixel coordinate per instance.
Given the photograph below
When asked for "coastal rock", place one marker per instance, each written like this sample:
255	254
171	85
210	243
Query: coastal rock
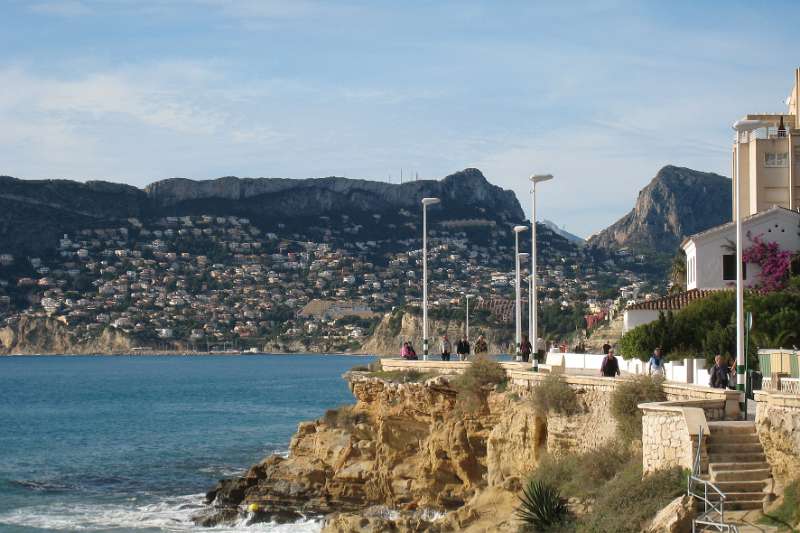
34	335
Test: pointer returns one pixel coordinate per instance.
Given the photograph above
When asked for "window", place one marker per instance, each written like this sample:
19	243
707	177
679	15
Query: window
729	268
773	159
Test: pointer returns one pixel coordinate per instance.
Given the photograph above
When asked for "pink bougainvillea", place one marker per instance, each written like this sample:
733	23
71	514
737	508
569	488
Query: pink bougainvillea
775	263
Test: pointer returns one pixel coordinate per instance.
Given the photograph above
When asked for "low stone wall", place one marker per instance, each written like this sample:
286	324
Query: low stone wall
718	404
778	426
669	435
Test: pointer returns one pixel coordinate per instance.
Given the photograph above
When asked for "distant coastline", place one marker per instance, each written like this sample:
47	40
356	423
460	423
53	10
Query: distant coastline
153	353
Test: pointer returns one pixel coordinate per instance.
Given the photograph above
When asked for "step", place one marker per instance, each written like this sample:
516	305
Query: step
736	457
733	438
735	447
731	427
745	496
740	486
742	505
756	474
718	466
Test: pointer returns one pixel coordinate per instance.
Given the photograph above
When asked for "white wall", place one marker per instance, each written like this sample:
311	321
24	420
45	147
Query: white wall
637	317
691	371
708	250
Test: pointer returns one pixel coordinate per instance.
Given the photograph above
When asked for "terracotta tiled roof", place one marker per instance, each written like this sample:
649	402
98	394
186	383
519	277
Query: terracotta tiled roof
673	302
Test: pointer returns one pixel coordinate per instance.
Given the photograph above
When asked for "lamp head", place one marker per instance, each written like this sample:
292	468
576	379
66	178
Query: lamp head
749	125
430	201
520	229
536	178
523	255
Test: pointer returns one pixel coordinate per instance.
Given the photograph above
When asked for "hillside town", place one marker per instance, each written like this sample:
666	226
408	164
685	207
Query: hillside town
214	283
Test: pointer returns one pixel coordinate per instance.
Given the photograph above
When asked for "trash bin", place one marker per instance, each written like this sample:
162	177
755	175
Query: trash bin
756	378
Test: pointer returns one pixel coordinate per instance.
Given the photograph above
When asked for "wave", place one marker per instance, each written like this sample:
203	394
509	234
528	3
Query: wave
169	515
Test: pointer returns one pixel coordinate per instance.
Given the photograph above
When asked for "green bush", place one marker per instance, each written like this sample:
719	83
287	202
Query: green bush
629	501
471	386
542	506
554	395
582	475
625	400
787	513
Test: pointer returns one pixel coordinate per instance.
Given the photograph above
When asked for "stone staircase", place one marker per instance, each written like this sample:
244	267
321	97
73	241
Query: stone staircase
737	465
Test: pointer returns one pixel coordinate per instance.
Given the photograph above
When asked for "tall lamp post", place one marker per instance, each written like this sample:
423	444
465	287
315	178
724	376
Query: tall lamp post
741	126
534	295
425	203
468	296
518	311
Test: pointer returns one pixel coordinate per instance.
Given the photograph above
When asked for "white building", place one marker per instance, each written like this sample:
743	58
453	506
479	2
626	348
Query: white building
711	255
645	312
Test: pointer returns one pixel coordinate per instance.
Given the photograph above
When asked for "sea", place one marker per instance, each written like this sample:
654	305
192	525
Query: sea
131	443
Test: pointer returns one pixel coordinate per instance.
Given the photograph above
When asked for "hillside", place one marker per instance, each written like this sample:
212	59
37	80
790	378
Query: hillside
34	214
677	202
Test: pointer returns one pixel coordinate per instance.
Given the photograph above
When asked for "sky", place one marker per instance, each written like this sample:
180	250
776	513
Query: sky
601	94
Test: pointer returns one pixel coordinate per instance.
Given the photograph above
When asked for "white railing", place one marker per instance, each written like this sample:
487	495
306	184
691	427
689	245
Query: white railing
713	515
790	385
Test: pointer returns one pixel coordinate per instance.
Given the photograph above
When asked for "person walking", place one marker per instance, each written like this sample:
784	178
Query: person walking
720	373
462	348
655	367
540	349
610	366
606	347
447	348
525	349
732	373
481	347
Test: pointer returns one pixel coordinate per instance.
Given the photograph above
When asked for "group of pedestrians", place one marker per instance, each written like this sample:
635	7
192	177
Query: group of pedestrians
723	373
610	366
463	348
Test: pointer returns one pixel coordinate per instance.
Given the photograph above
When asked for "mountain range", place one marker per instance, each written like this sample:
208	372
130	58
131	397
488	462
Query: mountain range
35	213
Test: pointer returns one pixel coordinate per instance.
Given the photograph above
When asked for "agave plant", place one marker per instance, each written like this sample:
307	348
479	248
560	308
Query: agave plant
541	505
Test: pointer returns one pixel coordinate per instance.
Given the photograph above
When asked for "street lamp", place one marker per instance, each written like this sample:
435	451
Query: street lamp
425	203
741	126
518	313
468	296
532	315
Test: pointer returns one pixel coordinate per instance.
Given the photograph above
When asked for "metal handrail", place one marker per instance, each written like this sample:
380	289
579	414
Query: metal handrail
713	515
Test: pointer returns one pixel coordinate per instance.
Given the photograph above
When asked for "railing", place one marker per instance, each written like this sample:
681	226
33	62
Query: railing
713	515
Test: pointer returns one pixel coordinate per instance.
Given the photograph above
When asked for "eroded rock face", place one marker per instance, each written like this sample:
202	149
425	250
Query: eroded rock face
778	429
675	517
412	454
33	335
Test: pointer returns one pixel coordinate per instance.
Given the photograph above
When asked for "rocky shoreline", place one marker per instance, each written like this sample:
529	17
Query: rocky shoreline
402	458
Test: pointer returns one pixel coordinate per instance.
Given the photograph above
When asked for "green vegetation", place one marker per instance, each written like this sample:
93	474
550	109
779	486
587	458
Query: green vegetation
345	417
542	506
554	395
708	326
611	479
625	400
787	513
472	384
402	376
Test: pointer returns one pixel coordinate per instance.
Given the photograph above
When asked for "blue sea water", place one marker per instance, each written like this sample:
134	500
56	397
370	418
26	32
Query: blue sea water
123	444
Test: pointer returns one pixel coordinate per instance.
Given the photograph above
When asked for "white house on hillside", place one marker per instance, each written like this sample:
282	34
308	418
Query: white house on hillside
711	255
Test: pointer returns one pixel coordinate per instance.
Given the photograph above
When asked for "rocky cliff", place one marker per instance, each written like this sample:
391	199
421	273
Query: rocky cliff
676	203
396	328
35	213
46	336
407	457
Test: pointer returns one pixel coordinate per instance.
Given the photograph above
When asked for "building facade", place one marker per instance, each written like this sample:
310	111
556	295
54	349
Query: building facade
769	159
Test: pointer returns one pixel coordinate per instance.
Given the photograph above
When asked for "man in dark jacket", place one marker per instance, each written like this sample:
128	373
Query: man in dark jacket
462	348
719	374
525	348
610	366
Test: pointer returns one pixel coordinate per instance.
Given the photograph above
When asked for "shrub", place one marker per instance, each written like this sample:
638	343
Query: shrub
629	501
481	374
554	395
541	506
582	475
346	417
402	376
787	513
625	400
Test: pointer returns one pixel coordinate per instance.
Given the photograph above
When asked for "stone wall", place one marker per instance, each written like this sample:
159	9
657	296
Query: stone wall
669	435
778	426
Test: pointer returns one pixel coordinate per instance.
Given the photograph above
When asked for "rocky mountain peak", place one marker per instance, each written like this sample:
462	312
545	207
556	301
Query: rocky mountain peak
676	203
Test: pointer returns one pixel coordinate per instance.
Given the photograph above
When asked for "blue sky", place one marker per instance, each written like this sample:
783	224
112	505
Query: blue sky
601	94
